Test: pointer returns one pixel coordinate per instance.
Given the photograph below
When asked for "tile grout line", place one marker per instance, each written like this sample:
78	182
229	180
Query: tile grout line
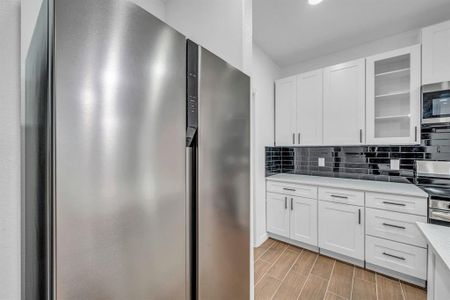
329	279
307	277
296	259
376	285
265	273
401	289
353	282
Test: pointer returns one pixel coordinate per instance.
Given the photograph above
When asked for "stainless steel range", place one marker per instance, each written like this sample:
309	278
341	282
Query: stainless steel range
434	178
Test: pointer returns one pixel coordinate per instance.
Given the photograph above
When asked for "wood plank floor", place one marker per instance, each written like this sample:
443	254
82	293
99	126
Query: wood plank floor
284	272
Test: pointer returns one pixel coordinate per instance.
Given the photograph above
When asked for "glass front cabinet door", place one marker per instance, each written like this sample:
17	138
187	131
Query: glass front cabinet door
393	97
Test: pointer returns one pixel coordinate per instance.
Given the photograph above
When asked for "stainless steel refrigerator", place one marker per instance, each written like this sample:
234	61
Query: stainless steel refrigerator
135	160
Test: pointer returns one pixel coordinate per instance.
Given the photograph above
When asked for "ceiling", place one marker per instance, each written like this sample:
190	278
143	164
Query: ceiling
292	31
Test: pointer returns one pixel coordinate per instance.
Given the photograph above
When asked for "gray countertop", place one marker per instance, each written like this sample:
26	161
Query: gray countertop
354	184
438	238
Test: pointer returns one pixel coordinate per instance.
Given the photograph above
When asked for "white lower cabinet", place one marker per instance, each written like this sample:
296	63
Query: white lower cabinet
399	257
341	229
304	220
438	277
277	214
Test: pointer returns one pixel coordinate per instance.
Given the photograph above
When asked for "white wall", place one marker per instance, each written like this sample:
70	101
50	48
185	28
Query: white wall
386	44
220	26
9	150
264	72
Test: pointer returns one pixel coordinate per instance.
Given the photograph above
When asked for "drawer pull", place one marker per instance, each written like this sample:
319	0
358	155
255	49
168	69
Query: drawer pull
288	189
393	203
394	256
285	202
395	226
338	196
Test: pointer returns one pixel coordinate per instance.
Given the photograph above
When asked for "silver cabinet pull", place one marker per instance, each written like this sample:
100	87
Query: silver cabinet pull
394	256
288	189
415	133
285	202
395	226
298	137
340	197
292	203
393	203
359	216
360	135
293	138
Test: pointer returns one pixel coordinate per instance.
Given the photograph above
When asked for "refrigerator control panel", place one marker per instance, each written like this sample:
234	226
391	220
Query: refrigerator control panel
191	92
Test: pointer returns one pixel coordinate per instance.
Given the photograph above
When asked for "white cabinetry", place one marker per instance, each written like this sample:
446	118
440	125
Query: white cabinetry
341	229
309	108
393	97
285	111
292	212
436	53
277	214
304	220
344	103
438	278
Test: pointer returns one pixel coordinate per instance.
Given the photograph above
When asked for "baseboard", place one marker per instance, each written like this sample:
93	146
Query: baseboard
395	274
295	243
260	240
344	258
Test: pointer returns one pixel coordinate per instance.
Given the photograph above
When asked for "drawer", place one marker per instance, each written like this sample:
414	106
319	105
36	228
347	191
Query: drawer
341	196
395	226
404	204
301	190
406	259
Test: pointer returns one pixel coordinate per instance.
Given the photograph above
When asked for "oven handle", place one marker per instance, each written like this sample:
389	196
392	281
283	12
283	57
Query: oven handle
440	215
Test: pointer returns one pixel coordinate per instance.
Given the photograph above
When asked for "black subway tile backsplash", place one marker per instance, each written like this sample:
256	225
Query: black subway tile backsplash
361	162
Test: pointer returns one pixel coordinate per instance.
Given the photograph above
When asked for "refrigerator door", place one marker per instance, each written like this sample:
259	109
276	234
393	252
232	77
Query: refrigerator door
223	203
120	153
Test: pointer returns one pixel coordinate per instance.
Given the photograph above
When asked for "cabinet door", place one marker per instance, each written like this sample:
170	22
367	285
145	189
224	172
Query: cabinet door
309	108
277	212
341	229
436	53
344	103
393	97
303	220
285	111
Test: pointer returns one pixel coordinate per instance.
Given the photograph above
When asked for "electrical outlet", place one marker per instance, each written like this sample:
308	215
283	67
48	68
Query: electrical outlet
395	164
321	162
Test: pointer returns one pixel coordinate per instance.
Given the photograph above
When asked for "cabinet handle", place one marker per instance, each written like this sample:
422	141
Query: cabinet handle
393	203
359	216
360	135
395	226
298	137
288	189
415	133
394	256
337	196
292	203
293	138
285	202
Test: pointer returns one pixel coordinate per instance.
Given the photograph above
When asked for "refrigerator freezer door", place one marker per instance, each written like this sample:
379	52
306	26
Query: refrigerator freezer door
120	153
223	181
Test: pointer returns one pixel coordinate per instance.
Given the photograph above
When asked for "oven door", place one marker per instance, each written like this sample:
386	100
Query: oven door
436	103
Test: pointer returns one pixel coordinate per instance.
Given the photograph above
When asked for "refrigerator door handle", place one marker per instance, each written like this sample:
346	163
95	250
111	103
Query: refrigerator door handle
189	238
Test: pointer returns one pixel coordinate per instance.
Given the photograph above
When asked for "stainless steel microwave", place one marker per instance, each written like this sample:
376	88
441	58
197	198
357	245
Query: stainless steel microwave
436	103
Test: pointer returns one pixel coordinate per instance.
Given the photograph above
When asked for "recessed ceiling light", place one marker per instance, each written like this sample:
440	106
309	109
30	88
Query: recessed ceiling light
314	2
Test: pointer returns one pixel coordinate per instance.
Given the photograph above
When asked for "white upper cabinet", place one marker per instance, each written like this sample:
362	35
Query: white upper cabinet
285	111
393	97
436	53
344	103
309	108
